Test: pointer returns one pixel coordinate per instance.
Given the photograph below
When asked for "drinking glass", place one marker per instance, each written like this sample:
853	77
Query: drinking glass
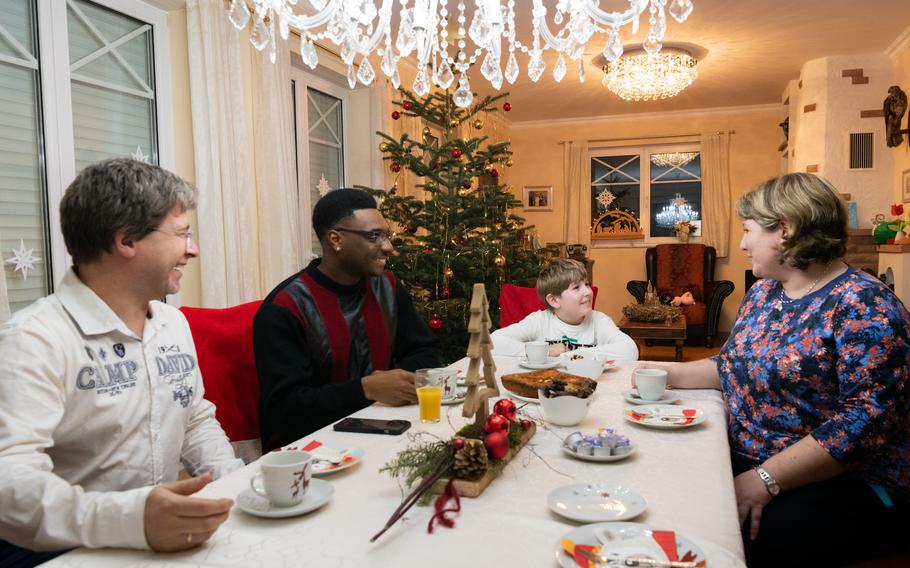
429	387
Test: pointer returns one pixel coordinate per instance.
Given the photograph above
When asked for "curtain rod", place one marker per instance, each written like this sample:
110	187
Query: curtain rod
599	140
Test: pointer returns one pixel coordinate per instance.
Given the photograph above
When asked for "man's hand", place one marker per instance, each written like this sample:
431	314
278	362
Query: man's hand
394	387
176	521
751	498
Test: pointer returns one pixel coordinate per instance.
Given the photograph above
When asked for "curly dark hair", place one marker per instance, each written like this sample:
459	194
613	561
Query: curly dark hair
337	205
813	211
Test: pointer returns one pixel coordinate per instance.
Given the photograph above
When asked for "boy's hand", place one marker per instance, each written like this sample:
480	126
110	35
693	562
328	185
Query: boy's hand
557	349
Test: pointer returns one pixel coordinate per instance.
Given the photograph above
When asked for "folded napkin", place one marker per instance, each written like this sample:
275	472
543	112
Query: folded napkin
667	542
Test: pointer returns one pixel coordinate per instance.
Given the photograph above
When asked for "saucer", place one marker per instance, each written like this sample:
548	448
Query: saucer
319	494
551	362
631	396
664	416
626	539
350	456
459	397
596	502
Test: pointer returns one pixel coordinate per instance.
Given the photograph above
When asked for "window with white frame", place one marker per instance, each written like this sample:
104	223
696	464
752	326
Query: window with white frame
643	193
77	85
320	108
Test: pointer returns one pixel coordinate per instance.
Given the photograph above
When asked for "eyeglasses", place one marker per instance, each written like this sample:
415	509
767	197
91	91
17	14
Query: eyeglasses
186	235
374	237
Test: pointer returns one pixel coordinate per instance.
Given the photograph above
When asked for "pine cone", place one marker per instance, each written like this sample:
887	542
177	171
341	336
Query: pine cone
471	460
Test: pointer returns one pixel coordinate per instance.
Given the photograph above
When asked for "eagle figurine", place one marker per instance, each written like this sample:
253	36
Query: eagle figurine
895	106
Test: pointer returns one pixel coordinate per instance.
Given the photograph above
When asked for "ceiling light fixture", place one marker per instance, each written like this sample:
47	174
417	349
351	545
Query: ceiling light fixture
672	159
360	28
643	76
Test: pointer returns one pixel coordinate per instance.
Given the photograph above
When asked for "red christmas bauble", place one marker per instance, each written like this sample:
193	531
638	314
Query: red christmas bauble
507	106
496	423
525	424
396	115
505	407
494	172
446	293
425	250
406	105
395	167
466	185
497	444
435	323
456	152
457	443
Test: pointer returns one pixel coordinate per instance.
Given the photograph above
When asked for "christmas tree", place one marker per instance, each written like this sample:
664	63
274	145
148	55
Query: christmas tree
462	230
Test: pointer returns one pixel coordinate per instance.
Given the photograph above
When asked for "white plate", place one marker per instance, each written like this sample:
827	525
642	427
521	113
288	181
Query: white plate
551	362
459	397
596	502
351	456
319	494
631	396
521	398
629	539
585	457
663	416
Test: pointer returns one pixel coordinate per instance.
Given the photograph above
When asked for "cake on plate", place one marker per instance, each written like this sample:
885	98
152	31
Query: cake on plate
527	384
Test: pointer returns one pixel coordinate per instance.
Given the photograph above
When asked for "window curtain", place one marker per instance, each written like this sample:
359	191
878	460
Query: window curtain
716	206
249	232
576	188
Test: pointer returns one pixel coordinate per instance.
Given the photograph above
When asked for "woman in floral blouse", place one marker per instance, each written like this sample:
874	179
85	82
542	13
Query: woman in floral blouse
815	377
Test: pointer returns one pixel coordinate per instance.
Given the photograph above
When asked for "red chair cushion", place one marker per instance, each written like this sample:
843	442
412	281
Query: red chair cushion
516	302
224	346
681	269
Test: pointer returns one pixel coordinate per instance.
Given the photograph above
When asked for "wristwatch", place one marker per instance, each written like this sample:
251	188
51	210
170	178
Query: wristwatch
770	484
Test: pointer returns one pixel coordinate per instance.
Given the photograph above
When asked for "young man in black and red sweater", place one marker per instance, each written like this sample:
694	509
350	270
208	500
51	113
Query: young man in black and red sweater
343	332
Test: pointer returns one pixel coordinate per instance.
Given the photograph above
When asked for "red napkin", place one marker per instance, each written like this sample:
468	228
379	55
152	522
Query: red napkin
312	446
667	542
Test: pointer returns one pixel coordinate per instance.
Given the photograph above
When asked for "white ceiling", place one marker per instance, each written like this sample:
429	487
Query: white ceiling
753	49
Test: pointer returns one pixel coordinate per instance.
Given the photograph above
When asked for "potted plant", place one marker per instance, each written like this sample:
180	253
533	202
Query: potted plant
885	232
683	230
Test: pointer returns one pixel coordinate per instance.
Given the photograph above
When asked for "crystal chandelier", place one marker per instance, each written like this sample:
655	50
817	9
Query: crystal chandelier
360	28
644	76
677	210
672	159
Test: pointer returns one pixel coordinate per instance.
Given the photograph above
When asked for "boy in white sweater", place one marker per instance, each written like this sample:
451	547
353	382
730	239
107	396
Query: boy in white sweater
569	322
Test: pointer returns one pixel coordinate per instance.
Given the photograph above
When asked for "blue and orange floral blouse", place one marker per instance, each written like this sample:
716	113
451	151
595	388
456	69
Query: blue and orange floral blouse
834	364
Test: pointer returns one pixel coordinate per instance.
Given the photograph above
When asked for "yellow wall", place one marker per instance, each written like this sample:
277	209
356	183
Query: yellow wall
538	160
901	154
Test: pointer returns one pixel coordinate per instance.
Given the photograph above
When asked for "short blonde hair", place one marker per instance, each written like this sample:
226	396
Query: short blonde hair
557	276
813	210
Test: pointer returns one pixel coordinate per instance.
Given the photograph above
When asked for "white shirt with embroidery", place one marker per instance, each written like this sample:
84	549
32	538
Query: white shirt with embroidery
91	417
596	333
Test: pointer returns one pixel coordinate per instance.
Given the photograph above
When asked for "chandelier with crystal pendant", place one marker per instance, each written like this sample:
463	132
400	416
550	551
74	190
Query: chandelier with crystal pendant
361	28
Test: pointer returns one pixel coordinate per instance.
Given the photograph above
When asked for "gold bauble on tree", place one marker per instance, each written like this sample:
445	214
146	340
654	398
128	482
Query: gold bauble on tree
488	168
383	146
478	124
509	163
499	260
453	123
448	272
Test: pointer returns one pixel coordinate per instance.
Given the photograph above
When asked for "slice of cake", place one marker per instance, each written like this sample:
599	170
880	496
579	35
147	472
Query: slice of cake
527	384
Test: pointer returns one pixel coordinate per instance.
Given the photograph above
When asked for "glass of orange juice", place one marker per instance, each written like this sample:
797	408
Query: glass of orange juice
429	383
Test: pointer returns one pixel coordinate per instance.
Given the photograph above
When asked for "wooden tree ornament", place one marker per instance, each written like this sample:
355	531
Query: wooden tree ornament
479	351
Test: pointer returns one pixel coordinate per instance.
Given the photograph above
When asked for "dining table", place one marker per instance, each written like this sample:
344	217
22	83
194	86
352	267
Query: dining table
684	475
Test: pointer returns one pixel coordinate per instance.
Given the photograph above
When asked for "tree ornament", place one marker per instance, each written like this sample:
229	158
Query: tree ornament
464	191
446	293
426	130
499	260
448	272
497	444
494	172
457	443
407	105
466	185
411	228
507	106
496	423
478	124
435	322
488	168
505	407
396	115
383	146
471	460
395	167
456	153
509	163
525	424
453	123
425	250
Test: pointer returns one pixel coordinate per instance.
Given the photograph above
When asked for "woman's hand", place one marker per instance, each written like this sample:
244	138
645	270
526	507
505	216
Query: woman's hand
649	365
751	499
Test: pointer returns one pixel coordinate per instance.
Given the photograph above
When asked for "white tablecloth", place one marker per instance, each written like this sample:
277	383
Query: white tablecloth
684	475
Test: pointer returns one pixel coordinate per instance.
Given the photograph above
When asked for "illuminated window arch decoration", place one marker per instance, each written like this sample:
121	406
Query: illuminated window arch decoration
616	224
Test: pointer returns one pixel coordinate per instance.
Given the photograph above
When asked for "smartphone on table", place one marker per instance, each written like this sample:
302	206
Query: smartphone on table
372	426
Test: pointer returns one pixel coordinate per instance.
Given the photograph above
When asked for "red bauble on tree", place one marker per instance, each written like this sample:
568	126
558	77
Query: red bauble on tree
507	106
435	322
395	167
506	408
496	423
396	115
456	152
497	444
494	172
406	105
446	293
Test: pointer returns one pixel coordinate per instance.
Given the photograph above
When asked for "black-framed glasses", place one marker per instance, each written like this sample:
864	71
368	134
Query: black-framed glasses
374	237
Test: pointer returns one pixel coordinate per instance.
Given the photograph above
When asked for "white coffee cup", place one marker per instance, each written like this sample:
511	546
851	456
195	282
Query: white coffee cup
585	366
537	352
283	477
651	383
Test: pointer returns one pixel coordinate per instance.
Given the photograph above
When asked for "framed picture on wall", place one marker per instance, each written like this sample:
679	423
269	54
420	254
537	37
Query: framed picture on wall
537	197
905	185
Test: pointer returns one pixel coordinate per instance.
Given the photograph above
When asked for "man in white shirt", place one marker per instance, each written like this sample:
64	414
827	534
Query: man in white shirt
101	398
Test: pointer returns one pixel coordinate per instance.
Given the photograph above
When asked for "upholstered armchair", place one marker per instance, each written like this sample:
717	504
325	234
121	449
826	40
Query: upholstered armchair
679	268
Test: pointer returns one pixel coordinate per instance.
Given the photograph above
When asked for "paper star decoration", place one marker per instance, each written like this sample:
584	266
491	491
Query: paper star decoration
139	156
23	259
605	198
323	186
